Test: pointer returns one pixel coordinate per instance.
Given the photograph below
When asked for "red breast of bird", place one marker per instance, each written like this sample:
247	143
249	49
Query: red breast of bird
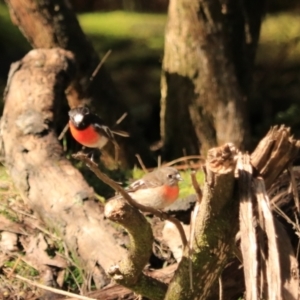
88	136
88	129
156	197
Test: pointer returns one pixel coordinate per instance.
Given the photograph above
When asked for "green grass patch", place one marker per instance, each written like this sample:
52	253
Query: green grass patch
280	27
279	39
121	25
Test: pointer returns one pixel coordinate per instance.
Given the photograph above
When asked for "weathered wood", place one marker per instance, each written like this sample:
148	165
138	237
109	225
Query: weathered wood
247	227
269	248
48	182
274	153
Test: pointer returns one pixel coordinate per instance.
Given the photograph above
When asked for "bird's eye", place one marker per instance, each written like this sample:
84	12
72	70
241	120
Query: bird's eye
170	176
85	110
78	118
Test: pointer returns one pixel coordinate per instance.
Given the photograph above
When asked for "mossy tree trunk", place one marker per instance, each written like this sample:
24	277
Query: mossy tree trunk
209	53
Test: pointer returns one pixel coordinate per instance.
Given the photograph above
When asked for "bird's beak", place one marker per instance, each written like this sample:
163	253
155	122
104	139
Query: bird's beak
178	177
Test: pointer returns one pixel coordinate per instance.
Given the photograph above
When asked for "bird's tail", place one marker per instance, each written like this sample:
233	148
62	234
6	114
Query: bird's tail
120	133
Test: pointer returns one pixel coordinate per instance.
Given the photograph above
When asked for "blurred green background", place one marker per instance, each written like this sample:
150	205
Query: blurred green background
134	31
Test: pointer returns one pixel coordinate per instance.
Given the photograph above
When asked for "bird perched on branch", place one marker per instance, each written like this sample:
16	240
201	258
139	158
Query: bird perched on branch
89	130
157	189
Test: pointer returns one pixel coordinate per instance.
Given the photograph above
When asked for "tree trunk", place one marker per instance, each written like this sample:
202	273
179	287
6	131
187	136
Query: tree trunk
209	54
47	181
50	24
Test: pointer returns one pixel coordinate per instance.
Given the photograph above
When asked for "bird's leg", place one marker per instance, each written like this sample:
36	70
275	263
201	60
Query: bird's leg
92	154
117	148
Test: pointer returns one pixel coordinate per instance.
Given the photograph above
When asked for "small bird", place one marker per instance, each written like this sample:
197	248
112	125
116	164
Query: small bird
89	130
157	189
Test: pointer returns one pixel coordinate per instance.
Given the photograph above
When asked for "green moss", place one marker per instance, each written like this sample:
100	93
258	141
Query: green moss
20	267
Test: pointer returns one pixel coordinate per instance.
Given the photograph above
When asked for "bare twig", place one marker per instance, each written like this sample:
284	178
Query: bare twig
100	65
121	118
14	266
220	288
189	157
75	280
141	163
298	248
278	210
196	187
159	161
192	226
294	188
57	291
82	157
273	269
63	132
247	228
192	232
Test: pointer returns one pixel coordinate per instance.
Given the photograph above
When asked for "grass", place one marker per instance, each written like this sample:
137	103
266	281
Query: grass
280	27
147	28
280	39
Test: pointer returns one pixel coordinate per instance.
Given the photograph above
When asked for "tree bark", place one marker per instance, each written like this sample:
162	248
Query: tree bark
50	24
47	181
206	74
